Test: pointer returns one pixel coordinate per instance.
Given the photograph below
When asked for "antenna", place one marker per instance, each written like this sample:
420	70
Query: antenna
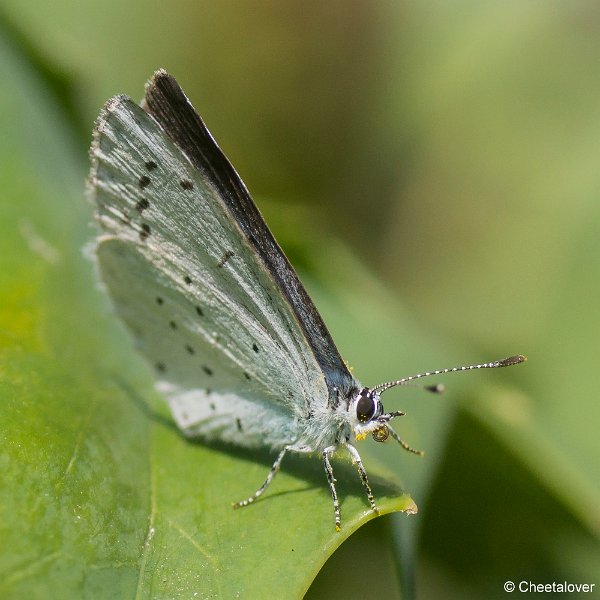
505	362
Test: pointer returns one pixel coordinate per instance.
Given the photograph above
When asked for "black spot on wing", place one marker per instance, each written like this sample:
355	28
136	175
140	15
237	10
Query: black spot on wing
207	370
226	256
145	231
172	325
238	423
255	348
199	311
189	349
150	165
142	204
247	376
144	181
159	301
160	367
187	279
186	184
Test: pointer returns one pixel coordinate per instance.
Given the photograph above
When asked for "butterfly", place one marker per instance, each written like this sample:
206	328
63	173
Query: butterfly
239	349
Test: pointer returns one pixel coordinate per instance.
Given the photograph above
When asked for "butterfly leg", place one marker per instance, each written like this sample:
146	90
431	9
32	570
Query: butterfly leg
331	480
274	470
403	443
363	475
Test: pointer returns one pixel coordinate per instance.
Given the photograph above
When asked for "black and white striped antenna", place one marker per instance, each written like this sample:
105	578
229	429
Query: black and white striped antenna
505	362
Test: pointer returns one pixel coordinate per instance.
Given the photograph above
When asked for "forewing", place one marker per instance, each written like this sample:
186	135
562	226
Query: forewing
189	282
167	103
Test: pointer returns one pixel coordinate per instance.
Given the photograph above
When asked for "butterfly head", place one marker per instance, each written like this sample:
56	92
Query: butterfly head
368	415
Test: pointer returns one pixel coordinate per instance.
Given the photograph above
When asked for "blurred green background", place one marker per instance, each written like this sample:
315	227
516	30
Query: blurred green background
445	158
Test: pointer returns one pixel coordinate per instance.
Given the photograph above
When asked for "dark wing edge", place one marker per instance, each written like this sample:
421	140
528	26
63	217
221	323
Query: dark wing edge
167	103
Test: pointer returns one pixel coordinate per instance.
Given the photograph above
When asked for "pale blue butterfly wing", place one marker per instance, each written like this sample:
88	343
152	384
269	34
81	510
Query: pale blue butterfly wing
240	351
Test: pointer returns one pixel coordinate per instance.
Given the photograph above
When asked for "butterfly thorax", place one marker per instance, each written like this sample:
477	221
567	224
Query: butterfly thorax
355	413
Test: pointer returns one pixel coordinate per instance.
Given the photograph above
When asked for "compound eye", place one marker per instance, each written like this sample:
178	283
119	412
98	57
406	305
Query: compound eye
365	407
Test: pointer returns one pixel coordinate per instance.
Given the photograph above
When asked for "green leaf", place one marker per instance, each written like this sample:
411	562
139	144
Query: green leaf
100	494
